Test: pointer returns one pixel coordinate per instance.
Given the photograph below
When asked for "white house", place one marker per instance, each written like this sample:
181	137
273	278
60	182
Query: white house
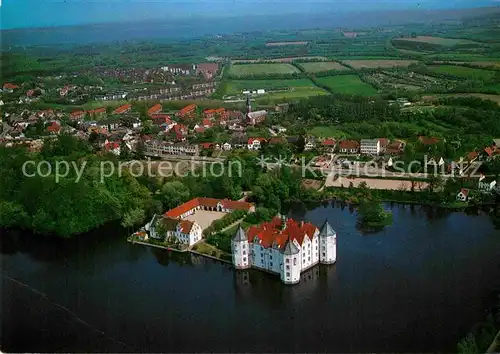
463	195
255	143
284	247
370	146
310	145
226	146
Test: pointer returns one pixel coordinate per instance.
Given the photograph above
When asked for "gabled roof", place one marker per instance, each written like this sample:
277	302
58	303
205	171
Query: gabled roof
122	109
155	109
464	191
349	144
290	248
240	235
329	142
327	230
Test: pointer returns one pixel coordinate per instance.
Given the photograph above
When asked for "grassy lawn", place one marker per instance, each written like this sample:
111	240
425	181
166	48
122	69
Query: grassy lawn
463	72
348	84
315	67
262	69
326	131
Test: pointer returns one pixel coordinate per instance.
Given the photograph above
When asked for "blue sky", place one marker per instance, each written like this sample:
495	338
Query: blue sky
45	13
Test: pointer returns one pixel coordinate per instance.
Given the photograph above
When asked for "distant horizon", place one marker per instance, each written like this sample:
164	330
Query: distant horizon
35	14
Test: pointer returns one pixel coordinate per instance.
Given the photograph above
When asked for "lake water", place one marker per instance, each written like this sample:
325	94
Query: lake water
419	285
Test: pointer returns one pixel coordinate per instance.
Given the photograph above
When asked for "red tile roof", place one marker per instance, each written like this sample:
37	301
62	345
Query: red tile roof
155	109
206	145
383	142
428	140
97	111
206	202
251	140
160	118
186	226
329	142
10	86
472	156
77	114
123	109
464	191
54	127
270	233
349	144
489	151
187	110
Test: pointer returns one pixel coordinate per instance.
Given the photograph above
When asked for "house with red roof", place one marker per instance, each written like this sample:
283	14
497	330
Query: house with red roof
9	87
98	112
284	247
155	109
463	195
328	145
123	109
349	147
187	111
255	143
113	147
76	115
54	128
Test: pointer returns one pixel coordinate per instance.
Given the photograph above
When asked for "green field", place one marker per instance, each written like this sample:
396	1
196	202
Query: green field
446	42
242	70
237	86
294	93
324	131
319	66
463	72
347	84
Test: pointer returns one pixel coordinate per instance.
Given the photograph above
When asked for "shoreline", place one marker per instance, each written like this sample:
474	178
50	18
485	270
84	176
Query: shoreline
187	250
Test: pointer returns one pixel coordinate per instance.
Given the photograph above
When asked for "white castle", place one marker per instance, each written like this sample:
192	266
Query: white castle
284	247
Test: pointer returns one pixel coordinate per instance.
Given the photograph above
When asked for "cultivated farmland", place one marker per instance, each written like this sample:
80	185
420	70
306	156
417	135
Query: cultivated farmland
347	84
242	70
279	44
447	42
374	64
463	72
315	67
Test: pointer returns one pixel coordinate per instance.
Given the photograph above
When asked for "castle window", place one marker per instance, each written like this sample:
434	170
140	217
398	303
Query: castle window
271	264
287	260
324	255
287	274
295	261
309	258
244	252
287	267
244	259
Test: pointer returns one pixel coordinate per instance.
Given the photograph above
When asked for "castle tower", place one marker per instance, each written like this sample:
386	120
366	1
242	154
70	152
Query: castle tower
240	249
290	271
327	244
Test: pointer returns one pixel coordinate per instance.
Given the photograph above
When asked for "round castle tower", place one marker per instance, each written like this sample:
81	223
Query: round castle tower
327	244
240	250
290	269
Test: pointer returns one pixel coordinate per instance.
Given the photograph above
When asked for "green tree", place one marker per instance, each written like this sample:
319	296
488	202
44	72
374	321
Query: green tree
174	193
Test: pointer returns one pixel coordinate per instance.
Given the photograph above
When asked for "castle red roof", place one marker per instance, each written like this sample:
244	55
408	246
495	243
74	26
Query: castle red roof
10	86
270	233
329	142
77	114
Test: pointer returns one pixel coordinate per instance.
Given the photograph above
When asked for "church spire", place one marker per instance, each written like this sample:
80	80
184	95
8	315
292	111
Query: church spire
249	105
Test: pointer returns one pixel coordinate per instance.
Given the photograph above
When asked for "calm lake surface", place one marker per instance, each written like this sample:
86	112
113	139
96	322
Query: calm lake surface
419	285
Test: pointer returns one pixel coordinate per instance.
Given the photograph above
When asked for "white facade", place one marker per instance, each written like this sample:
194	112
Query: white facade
187	237
370	146
289	260
254	144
